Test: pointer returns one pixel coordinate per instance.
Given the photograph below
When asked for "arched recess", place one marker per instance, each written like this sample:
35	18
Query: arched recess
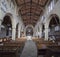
17	26
29	28
54	26
6	26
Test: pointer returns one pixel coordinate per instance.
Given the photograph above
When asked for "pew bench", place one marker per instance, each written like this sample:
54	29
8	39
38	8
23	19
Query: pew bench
42	47
53	51
11	48
9	51
18	44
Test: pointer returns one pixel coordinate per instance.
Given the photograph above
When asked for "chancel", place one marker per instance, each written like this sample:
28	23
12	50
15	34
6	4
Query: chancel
29	28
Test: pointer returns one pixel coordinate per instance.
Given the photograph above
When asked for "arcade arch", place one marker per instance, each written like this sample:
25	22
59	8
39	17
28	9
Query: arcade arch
52	26
6	26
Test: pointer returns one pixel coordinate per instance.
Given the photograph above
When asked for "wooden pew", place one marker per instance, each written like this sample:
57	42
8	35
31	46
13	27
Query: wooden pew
18	44
42	46
22	39
13	48
53	51
9	51
57	40
37	39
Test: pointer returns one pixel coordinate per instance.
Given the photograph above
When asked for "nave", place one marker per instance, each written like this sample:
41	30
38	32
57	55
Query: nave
29	28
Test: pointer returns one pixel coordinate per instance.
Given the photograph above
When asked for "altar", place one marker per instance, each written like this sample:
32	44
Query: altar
29	37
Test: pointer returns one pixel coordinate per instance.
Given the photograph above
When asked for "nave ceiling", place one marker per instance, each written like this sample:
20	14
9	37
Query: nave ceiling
31	10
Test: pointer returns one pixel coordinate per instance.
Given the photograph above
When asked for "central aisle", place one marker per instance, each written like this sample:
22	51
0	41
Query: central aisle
30	49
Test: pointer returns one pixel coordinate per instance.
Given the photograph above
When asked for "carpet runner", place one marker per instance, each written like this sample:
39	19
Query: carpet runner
30	49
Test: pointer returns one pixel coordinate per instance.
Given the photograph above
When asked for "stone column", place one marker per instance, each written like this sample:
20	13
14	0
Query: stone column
13	33
37	32
40	32
46	31
19	31
34	34
0	24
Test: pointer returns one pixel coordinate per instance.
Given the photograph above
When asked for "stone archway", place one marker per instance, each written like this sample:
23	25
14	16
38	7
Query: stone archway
29	27
50	18
6	26
11	17
29	31
52	21
12	22
54	26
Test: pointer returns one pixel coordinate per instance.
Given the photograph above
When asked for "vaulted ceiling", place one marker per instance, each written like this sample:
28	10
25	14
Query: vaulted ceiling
31	10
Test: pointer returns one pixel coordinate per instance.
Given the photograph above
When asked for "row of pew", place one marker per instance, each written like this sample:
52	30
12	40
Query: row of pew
47	48
11	48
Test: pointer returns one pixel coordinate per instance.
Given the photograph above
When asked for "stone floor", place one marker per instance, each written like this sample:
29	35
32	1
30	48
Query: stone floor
30	49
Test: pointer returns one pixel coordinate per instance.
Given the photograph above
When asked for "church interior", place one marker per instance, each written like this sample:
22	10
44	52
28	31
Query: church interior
29	28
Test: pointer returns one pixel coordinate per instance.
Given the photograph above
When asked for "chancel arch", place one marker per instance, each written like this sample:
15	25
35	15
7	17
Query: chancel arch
29	30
